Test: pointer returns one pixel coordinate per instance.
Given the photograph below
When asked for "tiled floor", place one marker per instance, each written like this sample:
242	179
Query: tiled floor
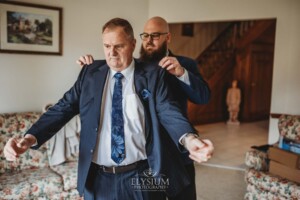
231	142
222	177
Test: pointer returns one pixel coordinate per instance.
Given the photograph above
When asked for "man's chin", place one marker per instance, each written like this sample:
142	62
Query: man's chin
113	64
150	49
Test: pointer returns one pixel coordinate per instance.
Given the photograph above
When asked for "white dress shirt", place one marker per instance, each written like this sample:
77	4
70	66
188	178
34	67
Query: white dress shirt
134	122
185	77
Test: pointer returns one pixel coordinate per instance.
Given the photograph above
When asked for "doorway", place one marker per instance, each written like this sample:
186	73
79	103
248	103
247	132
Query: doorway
248	47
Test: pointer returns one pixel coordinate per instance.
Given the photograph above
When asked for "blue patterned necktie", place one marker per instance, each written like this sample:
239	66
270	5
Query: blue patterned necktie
117	122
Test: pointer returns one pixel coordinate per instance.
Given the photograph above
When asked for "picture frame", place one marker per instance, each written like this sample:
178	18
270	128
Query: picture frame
30	28
187	29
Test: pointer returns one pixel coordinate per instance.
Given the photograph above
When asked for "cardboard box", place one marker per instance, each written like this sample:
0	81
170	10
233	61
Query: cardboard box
284	171
287	158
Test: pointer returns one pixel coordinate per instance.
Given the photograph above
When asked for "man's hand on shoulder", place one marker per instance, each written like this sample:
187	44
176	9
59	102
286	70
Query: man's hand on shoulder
172	65
85	60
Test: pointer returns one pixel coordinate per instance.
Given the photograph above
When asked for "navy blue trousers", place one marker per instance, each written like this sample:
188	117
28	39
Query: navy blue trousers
121	186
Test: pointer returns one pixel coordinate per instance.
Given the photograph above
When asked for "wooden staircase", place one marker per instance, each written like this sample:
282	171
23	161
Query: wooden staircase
218	63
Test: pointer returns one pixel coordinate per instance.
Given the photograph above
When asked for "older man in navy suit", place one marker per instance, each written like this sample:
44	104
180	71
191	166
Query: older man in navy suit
185	81
123	105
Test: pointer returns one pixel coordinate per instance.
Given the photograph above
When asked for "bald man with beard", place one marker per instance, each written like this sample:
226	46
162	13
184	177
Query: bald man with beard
184	78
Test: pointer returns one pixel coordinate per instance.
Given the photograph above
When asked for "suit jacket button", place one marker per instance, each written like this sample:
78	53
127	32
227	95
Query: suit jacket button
92	150
96	129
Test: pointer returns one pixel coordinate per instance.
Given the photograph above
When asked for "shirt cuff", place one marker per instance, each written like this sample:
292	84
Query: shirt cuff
185	77
181	139
36	143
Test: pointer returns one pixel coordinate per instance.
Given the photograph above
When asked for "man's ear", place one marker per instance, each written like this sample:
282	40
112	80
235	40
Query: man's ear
133	43
169	37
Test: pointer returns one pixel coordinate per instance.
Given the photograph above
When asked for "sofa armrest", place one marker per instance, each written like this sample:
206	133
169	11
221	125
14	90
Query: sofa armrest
257	160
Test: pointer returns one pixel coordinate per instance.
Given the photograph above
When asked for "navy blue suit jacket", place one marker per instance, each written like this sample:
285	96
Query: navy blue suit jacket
85	98
197	92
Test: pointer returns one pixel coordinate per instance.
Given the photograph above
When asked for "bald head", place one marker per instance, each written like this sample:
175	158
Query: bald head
156	24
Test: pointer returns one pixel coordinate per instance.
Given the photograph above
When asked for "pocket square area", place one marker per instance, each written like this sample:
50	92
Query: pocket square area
145	94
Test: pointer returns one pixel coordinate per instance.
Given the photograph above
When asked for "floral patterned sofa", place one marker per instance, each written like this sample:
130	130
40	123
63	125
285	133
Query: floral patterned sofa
31	177
260	183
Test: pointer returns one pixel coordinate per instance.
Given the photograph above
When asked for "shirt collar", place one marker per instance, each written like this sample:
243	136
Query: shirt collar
127	72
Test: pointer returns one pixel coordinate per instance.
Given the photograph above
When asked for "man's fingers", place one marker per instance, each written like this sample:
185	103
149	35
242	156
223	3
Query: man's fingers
166	62
10	157
207	142
23	144
89	59
15	147
195	158
9	150
85	60
80	63
200	153
162	61
198	158
170	67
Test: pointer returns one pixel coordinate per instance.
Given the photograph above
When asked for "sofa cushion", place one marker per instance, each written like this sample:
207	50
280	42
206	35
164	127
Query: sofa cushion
273	184
15	125
32	182
289	127
68	172
20	190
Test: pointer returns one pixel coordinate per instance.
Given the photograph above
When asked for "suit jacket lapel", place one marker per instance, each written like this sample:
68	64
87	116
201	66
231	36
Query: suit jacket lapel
140	79
141	83
99	77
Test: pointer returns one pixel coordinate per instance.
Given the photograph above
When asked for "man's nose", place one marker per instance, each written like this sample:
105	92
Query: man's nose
113	51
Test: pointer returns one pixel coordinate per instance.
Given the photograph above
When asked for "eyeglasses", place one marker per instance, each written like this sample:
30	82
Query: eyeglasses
153	36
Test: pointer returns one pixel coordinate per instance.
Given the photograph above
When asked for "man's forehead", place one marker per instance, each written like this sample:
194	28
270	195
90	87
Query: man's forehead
153	26
114	39
153	30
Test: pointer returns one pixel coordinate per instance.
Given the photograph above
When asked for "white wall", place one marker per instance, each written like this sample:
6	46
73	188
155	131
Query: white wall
286	74
28	82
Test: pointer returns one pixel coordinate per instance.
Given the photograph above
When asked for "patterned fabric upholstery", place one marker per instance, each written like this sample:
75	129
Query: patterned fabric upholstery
30	177
256	193
273	184
68	171
40	181
260	183
16	124
289	127
257	160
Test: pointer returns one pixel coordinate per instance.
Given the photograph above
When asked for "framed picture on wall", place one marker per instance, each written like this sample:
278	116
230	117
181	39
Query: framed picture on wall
30	28
188	29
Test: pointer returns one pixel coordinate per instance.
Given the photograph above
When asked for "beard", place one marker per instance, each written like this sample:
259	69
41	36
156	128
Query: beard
154	56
